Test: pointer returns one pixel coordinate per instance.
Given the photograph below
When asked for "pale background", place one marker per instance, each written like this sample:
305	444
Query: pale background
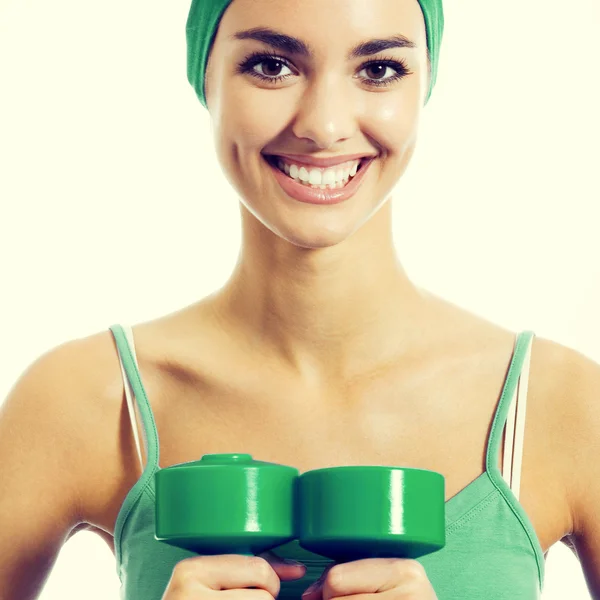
113	208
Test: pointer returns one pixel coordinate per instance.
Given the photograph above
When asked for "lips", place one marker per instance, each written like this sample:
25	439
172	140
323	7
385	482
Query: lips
312	195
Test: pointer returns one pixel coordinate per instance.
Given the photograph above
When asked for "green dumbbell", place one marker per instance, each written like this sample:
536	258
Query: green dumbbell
225	504
232	504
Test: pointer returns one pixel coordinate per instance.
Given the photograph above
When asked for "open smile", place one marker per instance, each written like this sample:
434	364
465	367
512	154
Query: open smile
319	186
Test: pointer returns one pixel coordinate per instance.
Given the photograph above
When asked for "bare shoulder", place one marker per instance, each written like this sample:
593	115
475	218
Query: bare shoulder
573	383
577	407
59	428
561	429
50	400
568	381
89	375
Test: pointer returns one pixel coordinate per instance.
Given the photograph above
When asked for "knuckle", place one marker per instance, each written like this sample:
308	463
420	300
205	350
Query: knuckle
411	569
185	571
335	577
260	566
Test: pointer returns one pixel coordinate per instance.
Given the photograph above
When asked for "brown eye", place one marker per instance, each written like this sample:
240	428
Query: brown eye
269	64
273	66
377	70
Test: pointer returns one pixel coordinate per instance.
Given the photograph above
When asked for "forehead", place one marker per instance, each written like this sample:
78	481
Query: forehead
327	26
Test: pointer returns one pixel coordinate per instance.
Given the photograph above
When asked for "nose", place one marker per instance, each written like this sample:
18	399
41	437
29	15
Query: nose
327	113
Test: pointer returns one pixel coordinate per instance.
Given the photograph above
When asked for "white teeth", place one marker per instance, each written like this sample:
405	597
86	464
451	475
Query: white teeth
328	177
314	177
303	174
332	178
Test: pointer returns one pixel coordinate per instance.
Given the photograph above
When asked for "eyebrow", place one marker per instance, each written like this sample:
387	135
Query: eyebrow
293	45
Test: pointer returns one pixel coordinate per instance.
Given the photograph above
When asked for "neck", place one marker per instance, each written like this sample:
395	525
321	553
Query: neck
329	313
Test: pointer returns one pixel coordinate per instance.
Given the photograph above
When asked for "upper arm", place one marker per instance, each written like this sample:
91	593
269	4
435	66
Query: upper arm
581	403
41	446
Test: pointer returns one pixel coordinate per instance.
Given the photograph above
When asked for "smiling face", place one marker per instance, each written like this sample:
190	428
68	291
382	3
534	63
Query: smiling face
316	79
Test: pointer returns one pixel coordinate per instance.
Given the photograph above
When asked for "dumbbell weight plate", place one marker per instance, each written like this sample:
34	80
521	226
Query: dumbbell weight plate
352	512
225	504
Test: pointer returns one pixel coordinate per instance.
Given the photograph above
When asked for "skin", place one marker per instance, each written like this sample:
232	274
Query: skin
340	358
327	332
320	290
321	286
318	350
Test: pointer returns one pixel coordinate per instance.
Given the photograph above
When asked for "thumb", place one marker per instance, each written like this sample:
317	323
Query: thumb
315	590
284	568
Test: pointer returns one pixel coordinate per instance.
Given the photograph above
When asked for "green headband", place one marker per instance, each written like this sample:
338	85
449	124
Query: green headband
203	21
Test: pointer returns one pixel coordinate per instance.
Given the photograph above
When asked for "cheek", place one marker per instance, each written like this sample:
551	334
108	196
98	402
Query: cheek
243	130
392	120
254	116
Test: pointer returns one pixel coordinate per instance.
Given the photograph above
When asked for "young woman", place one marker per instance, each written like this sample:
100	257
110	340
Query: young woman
318	351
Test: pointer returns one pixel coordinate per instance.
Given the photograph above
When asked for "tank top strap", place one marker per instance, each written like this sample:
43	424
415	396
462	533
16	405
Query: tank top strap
134	390
510	411
514	432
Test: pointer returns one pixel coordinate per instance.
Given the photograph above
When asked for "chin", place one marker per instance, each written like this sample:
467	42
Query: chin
307	226
313	236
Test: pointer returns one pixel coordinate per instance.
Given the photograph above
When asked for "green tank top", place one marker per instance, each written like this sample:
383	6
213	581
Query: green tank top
491	551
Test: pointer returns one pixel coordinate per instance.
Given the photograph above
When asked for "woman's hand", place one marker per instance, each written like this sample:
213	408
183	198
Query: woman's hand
230	576
396	578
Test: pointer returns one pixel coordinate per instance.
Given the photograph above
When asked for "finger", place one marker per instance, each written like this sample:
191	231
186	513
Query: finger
315	590
285	570
368	576
225	572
